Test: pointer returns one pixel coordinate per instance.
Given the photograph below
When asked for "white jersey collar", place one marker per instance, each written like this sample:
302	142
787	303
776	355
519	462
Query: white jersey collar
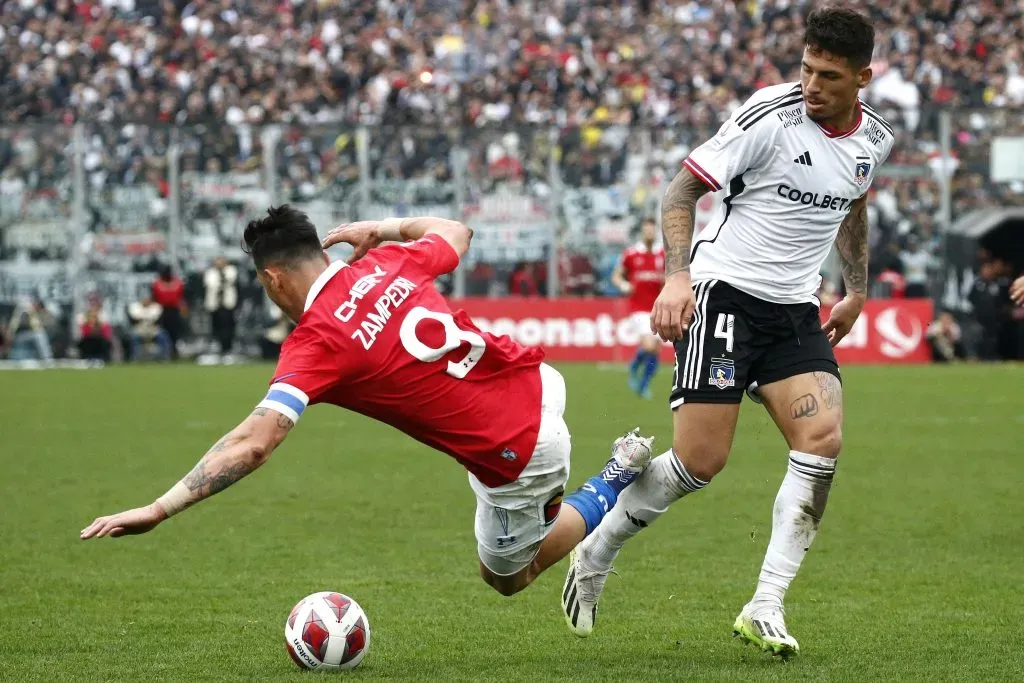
322	281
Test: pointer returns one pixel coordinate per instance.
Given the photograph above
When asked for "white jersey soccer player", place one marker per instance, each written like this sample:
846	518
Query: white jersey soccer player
796	161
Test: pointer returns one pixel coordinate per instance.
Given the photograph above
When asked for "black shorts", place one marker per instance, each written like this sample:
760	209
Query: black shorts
736	341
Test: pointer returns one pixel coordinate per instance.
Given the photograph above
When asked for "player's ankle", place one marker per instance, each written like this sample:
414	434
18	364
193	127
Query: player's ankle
599	552
768	595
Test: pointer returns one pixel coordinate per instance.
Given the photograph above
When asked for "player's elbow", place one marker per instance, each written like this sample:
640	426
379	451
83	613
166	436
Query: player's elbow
459	235
258	452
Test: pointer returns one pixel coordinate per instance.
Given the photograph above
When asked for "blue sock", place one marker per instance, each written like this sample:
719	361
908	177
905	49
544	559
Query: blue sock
595	498
649	369
639	359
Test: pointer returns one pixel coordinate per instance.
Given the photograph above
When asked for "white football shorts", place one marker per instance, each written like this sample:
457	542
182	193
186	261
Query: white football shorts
512	520
640	323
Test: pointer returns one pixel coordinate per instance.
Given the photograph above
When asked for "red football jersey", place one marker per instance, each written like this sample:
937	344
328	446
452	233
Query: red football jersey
644	269
379	339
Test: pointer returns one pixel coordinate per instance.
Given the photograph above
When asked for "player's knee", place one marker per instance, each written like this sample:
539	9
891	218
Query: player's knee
702	459
825	441
649	343
505	585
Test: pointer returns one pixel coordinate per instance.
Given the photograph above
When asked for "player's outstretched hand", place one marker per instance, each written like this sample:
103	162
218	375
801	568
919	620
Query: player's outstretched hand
363	236
674	307
842	317
129	522
1017	291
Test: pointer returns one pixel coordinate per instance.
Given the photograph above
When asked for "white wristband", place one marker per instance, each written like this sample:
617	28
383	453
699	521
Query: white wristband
175	500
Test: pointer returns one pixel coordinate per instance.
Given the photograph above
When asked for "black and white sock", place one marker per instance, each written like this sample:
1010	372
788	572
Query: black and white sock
663	482
799	507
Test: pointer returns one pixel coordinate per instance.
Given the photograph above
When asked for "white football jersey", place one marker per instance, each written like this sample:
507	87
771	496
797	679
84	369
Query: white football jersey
790	183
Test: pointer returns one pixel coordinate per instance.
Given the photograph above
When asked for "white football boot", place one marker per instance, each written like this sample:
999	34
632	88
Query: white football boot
583	584
632	451
764	625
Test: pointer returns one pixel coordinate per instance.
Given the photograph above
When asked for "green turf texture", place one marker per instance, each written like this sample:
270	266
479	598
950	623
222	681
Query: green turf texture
916	574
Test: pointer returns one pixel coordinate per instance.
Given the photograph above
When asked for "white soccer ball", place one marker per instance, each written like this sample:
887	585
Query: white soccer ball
327	631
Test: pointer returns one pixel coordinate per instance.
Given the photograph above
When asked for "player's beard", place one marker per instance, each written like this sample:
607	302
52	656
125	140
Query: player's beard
827	115
819	113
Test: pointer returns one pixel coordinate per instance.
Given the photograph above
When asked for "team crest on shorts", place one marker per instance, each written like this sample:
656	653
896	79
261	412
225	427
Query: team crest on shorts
860	173
552	507
509	454
723	373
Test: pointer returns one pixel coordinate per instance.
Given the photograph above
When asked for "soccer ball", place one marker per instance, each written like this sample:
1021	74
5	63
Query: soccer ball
327	631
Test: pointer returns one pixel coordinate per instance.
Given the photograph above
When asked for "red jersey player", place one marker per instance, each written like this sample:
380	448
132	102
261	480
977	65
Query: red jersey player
376	337
640	274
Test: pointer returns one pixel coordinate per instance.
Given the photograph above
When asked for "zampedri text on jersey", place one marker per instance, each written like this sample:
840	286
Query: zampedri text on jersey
373	322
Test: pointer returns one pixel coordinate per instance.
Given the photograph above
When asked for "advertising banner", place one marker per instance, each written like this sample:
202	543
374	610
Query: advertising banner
888	331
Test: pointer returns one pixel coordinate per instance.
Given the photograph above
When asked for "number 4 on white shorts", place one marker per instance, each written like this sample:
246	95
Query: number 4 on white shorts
723	329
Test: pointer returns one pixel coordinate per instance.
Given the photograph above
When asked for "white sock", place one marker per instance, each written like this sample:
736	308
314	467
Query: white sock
798	510
663	482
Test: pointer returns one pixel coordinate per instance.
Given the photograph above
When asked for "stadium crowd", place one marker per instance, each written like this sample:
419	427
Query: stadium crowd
493	76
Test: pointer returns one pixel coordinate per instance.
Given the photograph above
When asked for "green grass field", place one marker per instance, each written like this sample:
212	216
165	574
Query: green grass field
916	574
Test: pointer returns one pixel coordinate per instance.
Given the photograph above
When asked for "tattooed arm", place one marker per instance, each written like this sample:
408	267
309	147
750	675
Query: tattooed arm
852	245
678	211
674	306
237	454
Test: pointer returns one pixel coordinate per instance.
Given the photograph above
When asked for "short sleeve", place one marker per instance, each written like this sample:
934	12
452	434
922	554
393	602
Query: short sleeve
743	142
882	156
433	254
888	150
304	374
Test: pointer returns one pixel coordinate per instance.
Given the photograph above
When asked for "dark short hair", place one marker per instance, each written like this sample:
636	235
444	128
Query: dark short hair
842	32
283	237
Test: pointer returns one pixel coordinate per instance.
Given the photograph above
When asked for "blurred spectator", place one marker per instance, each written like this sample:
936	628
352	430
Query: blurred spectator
29	329
96	334
944	337
275	333
917	261
144	316
576	273
480	280
523	281
220	284
169	293
890	284
989	299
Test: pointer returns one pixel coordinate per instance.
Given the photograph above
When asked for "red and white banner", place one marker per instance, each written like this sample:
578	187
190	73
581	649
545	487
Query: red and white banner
888	331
